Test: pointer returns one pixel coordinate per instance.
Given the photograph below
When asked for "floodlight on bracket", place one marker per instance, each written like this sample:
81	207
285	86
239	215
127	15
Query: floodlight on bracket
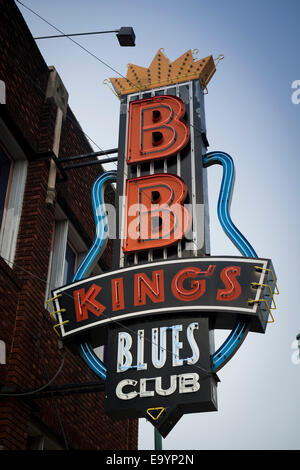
125	35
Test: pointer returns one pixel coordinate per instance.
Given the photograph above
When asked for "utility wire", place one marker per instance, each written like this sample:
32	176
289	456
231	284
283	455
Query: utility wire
97	58
31	392
88	52
37	86
53	399
75	42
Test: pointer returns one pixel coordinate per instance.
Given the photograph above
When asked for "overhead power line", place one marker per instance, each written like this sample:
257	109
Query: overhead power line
73	40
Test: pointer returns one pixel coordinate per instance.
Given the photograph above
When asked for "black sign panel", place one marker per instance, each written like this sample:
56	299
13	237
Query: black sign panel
228	289
160	370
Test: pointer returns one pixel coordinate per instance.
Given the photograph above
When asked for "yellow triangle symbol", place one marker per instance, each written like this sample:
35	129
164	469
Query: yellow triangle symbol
155	416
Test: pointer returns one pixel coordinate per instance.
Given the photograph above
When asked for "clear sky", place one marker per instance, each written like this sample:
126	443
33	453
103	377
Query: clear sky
251	116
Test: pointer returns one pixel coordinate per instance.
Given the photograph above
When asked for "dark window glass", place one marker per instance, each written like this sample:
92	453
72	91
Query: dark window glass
69	268
5	165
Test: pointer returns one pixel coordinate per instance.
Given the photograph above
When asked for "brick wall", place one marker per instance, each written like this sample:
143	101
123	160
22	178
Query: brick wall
23	70
25	326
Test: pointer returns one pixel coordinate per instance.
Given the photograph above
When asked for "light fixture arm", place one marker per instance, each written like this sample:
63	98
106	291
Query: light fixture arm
125	35
77	34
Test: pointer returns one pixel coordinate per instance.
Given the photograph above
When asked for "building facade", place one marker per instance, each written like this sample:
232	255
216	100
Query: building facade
46	228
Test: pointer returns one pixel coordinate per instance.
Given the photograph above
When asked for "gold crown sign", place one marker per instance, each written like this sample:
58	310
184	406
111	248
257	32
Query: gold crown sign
163	72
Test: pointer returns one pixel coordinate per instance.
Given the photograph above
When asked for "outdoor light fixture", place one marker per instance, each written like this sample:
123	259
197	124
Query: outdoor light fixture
125	35
298	339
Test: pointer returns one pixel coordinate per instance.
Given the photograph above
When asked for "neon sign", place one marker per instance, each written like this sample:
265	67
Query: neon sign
158	307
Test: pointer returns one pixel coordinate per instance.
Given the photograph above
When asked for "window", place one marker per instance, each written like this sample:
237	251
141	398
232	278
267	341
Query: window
42	439
68	250
63	258
67	253
13	174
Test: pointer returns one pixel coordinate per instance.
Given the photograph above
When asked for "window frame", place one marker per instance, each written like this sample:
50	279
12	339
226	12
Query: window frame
8	187
77	256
